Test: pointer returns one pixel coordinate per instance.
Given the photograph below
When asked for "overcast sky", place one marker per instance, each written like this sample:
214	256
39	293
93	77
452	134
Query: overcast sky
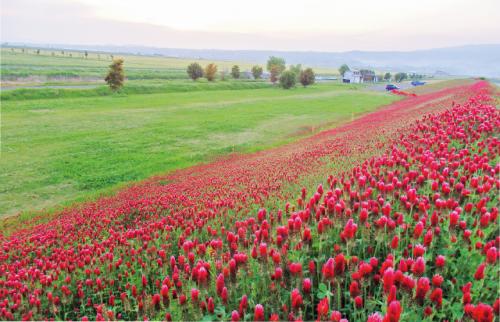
319	25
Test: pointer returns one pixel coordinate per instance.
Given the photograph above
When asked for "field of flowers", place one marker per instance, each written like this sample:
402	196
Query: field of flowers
392	217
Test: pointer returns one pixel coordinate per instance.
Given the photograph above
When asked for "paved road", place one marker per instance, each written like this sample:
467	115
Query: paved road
380	87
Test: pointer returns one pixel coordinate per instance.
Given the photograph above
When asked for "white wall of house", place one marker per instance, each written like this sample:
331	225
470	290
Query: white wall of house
353	76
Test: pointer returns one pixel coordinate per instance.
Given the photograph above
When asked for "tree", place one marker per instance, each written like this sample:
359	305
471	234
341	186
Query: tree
86	54
38	51
387	76
210	72
307	77
342	69
194	71
274	74
116	75
257	72
399	77
277	62
288	79
296	69
235	71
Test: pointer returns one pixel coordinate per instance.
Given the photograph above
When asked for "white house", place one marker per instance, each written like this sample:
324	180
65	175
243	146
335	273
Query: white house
359	76
352	76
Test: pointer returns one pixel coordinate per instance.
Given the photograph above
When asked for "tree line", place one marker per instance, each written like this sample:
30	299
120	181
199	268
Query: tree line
276	66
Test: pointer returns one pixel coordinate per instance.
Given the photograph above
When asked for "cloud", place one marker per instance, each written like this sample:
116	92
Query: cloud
55	21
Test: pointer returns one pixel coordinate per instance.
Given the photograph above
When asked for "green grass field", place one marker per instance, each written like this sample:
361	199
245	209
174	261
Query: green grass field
57	151
29	66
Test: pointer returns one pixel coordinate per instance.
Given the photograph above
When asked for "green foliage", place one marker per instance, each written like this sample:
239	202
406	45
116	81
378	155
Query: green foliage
399	77
288	79
257	72
235	71
387	76
275	66
342	69
116	75
194	71
307	77
210	71
415	76
276	63
296	69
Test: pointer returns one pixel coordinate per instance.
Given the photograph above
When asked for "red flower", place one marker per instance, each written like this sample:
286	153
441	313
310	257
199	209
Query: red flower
243	304
354	289
194	295
358	301
437	296
263	250
211	305
350	229
440	261
296	299
375	317
164	291
295	268
388	279
395	242
393	312
483	313
259	313
235	317
437	280
423	287
479	275
219	283
323	308
306	285
328	269
491	255
419	266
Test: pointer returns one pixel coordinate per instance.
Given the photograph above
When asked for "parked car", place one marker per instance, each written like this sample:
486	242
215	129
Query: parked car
391	87
417	83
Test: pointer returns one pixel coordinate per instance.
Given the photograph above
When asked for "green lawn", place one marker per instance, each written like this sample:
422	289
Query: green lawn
56	151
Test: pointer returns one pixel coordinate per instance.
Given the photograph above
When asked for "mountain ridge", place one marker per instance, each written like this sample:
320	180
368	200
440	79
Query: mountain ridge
466	60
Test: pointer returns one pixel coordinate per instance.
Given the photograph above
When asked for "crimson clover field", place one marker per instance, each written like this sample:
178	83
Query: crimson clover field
391	217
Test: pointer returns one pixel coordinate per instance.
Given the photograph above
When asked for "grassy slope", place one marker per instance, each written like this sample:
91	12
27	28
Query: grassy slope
55	151
131	87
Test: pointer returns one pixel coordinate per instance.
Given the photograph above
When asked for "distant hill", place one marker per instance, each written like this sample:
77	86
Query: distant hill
471	60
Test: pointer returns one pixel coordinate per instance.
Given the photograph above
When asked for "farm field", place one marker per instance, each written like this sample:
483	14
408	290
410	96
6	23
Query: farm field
55	151
16	64
392	216
28	68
